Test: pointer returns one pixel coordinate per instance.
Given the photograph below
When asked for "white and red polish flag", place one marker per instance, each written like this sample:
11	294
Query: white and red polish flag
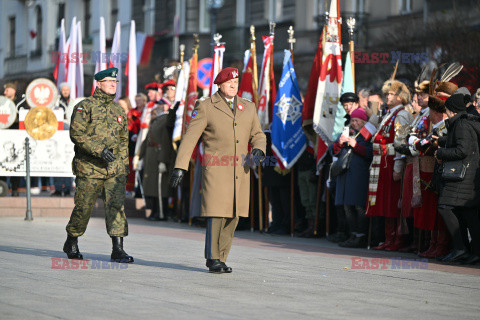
131	66
116	59
181	96
60	73
217	66
101	58
72	63
80	61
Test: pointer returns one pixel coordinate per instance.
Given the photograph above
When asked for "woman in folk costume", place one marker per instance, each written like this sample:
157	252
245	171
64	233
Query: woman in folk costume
387	166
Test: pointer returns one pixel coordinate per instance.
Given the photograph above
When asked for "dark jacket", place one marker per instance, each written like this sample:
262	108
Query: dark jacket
462	144
352	186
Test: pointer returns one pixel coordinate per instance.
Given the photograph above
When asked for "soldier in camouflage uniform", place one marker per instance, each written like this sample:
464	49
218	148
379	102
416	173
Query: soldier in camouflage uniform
99	130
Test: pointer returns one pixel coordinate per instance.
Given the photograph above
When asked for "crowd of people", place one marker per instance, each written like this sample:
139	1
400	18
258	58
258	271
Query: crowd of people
403	175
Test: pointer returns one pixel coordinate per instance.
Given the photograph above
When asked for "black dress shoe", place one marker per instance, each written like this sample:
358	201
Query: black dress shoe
457	256
118	254
71	248
472	259
215	266
226	269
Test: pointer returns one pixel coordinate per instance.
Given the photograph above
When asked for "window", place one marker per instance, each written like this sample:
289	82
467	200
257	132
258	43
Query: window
114	16
11	22
88	15
273	11
405	6
39	27
204	18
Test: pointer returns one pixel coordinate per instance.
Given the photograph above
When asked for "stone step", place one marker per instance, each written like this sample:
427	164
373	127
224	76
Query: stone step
45	206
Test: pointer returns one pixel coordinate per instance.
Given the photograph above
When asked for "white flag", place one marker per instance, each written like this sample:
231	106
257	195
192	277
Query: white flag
131	70
62	51
72	65
101	57
81	58
116	59
217	66
180	95
330	80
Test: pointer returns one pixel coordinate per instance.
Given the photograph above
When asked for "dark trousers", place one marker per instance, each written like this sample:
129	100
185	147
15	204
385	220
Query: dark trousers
357	222
453	216
280	200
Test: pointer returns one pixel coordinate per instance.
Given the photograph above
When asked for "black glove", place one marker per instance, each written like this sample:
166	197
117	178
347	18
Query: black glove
177	177
403	149
257	156
107	155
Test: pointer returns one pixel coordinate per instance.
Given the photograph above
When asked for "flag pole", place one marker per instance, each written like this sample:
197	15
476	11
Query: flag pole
196	43
291	41
253	54
351	28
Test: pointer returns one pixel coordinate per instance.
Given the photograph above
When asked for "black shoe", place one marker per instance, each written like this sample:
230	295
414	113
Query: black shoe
226	269
215	266
56	194
348	242
472	259
66	193
15	193
71	248
153	217
118	255
456	256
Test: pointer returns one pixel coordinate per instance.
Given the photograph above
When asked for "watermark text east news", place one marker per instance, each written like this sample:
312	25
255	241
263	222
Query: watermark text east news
390	57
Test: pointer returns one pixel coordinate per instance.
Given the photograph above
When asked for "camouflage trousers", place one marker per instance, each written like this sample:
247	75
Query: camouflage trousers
112	191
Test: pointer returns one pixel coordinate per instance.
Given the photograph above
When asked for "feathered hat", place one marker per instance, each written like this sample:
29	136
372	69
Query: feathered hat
397	86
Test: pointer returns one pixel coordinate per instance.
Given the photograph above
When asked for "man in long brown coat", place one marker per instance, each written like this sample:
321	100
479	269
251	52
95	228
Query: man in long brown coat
227	124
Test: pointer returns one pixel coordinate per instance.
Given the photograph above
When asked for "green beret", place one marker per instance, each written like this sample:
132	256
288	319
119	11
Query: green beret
110	72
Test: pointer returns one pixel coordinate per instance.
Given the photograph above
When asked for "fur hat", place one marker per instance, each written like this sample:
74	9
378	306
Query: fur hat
436	104
446	87
422	87
399	88
457	103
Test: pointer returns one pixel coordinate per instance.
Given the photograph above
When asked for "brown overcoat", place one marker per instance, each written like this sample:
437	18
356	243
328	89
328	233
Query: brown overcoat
226	135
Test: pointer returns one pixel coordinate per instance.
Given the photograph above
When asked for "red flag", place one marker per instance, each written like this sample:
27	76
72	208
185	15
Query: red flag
246	85
309	101
191	91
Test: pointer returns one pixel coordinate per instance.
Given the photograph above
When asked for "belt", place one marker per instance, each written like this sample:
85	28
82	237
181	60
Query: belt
383	149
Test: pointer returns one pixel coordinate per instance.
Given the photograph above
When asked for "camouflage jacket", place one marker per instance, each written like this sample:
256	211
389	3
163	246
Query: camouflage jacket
98	123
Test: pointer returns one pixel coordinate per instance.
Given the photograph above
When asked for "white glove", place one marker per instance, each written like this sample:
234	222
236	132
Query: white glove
162	168
135	163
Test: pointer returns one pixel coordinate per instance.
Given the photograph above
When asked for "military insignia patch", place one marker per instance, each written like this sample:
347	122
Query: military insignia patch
240	107
119	119
194	113
79	109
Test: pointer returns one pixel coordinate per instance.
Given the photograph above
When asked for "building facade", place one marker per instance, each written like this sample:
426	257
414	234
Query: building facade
31	27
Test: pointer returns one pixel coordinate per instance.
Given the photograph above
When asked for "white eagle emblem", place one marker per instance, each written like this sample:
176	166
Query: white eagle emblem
41	94
235	74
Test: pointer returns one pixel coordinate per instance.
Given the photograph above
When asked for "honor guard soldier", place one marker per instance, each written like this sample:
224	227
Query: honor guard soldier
99	131
227	123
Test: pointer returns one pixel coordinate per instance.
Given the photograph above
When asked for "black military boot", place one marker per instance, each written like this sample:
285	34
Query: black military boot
215	265
71	248
118	255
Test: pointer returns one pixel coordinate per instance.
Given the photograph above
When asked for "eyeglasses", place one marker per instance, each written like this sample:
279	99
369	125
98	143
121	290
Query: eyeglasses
109	81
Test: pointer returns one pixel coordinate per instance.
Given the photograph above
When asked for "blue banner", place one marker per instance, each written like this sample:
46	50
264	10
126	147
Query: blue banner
288	139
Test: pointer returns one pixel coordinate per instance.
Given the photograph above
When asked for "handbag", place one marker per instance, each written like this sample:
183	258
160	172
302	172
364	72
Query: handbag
343	162
454	171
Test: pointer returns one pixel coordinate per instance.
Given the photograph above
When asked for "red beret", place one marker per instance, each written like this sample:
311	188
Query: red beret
152	86
168	83
226	74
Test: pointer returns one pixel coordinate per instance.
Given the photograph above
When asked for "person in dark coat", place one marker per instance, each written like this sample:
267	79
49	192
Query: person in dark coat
352	185
460	199
159	157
